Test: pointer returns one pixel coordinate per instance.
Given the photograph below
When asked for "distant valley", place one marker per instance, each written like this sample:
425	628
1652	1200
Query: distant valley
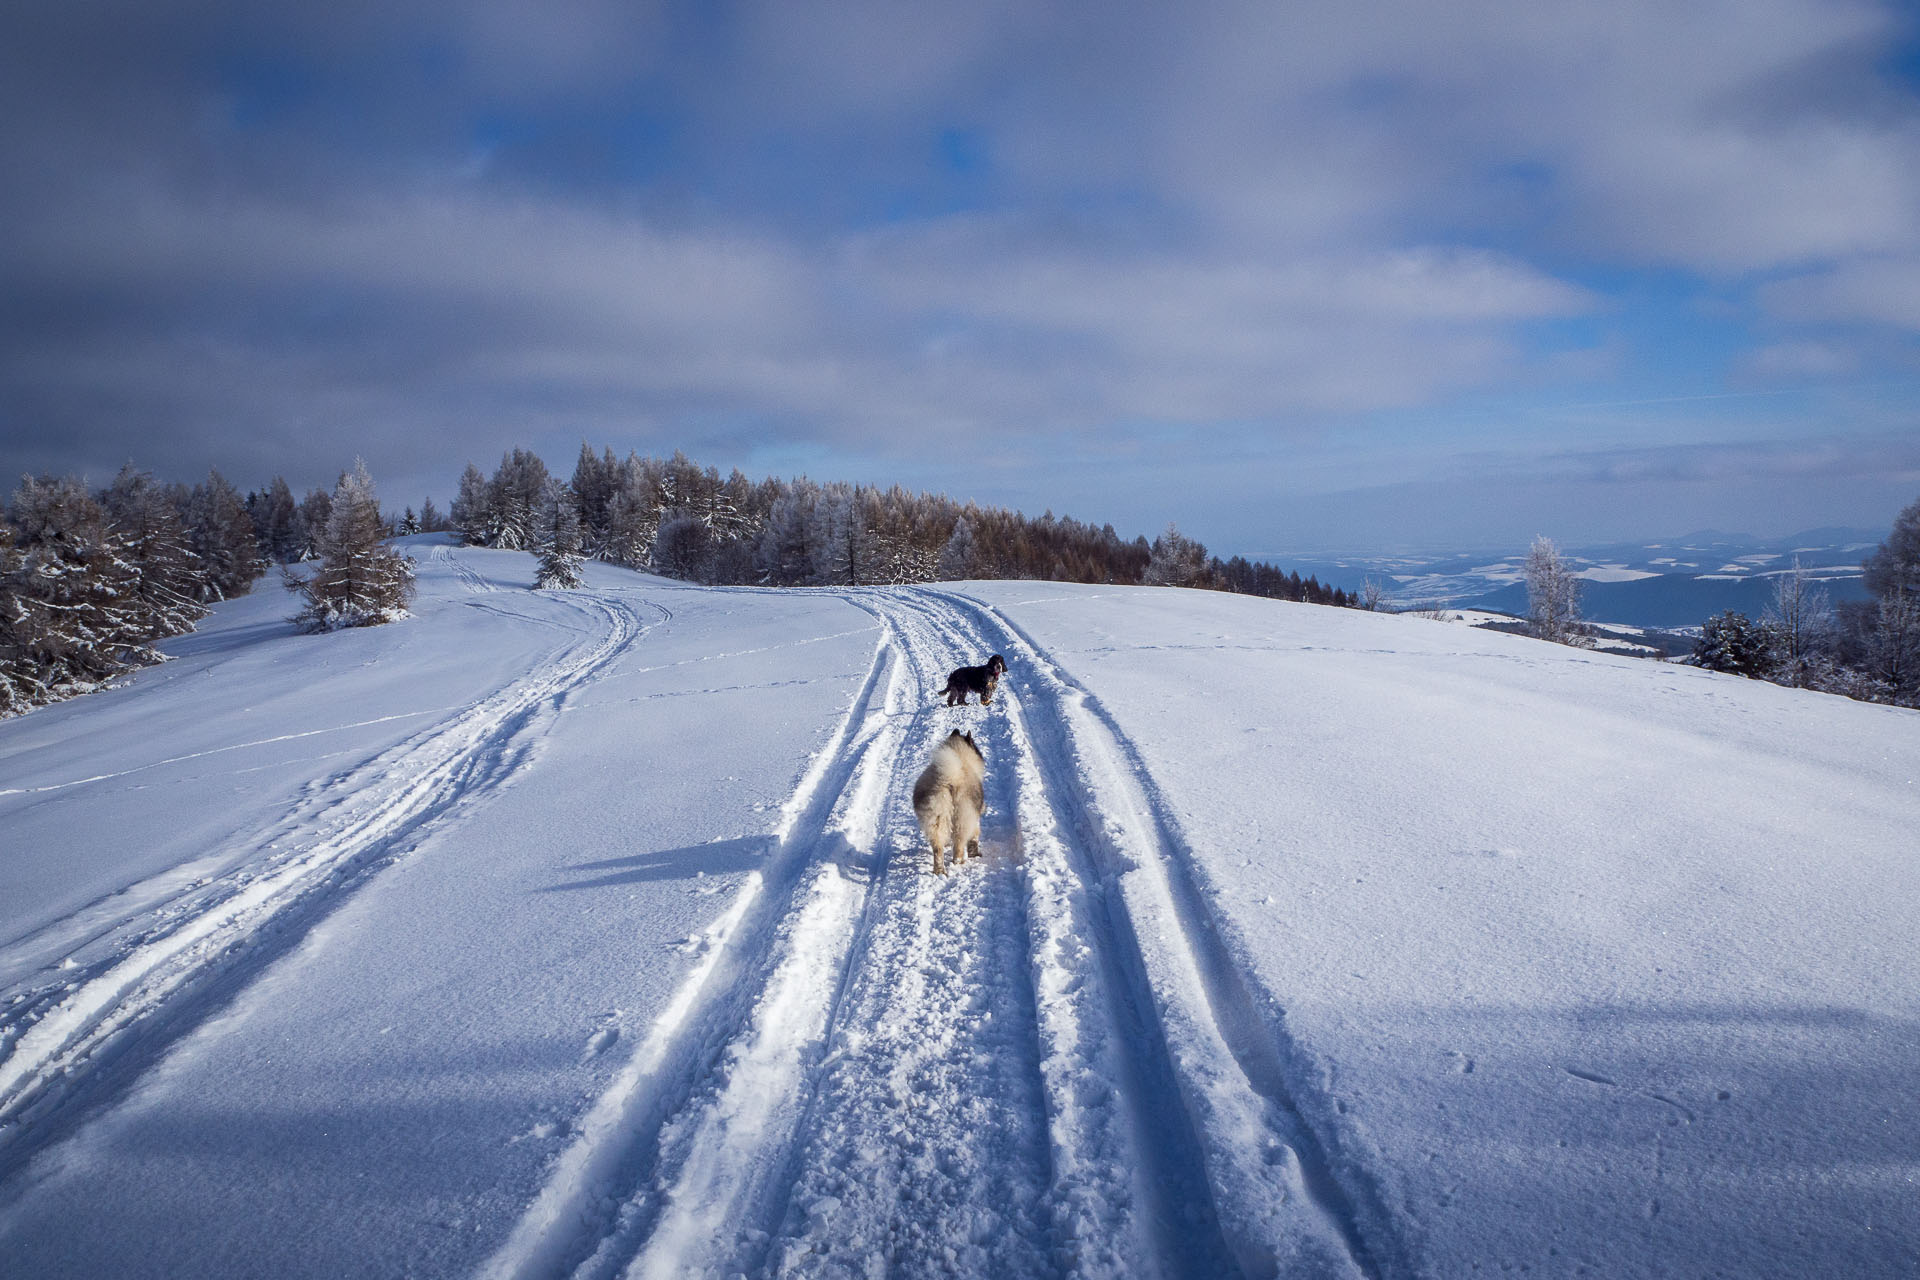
1669	583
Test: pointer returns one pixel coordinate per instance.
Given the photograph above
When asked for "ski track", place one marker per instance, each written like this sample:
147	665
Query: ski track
145	966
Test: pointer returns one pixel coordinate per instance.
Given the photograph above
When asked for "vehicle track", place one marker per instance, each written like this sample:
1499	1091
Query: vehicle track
1288	1203
132	985
599	1202
876	1067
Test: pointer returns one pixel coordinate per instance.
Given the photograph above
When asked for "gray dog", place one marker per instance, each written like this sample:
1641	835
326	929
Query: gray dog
948	799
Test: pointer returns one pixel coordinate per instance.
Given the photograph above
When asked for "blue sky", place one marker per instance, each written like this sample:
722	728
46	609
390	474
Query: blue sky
1302	276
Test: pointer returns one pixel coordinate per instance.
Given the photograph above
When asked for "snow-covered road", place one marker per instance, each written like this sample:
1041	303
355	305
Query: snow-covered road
622	959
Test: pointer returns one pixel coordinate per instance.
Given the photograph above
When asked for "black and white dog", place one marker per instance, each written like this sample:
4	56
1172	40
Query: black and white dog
980	680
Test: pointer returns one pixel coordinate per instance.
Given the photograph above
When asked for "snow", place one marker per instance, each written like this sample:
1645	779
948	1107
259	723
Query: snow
588	933
1614	573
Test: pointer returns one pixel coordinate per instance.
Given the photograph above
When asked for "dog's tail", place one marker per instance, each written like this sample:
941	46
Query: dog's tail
944	689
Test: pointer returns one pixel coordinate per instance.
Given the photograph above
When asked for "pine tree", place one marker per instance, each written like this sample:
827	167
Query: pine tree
409	524
558	540
431	521
361	581
1734	643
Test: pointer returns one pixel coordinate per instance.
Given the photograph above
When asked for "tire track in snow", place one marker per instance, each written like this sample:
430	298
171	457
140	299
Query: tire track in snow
989	1073
1129	1193
921	1147
136	987
601	1200
870	1089
1287	1203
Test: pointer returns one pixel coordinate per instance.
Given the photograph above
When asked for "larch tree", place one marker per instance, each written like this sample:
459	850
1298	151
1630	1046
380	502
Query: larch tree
472	509
154	541
75	616
360	581
1177	561
222	535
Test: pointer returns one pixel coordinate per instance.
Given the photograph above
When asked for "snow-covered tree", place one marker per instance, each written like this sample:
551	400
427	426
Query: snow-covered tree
16	684
1800	618
786	552
153	539
1895	564
409	524
472	510
222	535
683	547
1736	644
845	552
557	538
316	509
72	599
431	521
1553	596
1177	561
595	478
276	522
360	580
1891	649
957	556
514	497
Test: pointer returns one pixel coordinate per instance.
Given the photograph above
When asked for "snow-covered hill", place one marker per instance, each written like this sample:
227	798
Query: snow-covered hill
589	934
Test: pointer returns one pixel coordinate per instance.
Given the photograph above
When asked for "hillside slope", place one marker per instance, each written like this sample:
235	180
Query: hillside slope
590	934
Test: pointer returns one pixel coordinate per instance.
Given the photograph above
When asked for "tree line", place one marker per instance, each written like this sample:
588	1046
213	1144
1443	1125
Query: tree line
1867	649
90	580
676	518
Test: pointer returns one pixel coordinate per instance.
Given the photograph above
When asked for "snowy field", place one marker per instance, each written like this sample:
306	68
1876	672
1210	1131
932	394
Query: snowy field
588	934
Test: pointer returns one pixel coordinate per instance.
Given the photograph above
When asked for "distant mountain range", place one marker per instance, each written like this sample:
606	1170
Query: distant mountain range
1669	583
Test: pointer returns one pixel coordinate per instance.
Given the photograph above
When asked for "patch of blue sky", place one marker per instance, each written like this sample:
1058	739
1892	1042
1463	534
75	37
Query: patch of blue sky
263	89
629	147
